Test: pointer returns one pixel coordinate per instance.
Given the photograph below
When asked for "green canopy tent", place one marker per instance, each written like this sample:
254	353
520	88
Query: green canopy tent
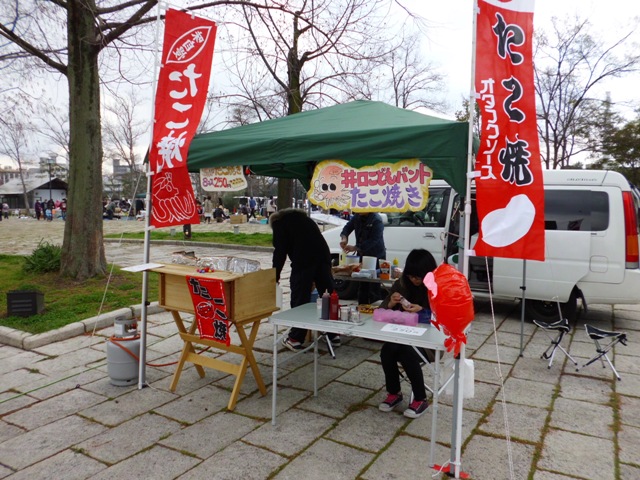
359	133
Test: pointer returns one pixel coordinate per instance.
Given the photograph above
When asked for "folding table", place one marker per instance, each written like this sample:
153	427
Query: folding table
306	316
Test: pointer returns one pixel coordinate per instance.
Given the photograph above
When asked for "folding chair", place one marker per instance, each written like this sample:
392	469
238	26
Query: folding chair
561	327
597	336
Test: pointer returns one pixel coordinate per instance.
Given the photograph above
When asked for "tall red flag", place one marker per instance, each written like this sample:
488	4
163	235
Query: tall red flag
180	98
509	184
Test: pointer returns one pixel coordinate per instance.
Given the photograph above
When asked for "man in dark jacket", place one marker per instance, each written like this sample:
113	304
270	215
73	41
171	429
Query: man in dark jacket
369	233
297	236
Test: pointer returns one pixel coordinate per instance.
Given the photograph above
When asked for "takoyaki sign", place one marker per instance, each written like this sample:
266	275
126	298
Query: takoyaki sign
384	187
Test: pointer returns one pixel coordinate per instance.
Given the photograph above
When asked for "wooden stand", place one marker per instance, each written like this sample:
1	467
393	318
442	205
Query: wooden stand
250	297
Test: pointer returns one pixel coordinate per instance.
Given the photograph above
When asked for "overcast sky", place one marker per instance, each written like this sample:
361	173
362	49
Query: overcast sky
448	41
448	38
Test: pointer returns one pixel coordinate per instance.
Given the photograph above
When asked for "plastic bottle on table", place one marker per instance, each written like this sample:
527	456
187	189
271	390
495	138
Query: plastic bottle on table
395	269
334	305
324	315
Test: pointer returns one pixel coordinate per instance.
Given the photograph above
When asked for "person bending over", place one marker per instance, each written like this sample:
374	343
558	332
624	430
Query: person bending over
297	236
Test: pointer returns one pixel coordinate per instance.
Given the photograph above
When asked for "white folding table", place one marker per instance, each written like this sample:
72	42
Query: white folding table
306	316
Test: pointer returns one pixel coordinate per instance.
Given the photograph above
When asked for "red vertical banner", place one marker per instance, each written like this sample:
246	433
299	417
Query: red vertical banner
180	98
509	184
207	295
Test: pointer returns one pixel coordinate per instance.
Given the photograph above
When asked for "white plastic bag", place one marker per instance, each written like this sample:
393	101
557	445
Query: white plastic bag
467	379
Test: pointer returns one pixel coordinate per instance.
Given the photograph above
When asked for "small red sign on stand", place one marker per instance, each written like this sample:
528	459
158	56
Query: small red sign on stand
209	303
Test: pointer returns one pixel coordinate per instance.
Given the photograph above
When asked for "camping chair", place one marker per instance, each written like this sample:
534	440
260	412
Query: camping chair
562	328
597	336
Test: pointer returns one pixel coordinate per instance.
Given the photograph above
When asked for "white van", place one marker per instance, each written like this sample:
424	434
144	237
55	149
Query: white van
592	243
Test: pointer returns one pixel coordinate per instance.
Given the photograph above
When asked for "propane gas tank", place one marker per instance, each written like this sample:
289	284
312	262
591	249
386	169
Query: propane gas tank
122	366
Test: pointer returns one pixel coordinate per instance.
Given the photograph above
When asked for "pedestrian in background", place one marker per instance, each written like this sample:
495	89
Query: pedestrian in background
38	209
271	206
207	208
252	208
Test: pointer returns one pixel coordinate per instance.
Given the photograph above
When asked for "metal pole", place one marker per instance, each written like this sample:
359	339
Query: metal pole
524	297
454	457
142	378
470	166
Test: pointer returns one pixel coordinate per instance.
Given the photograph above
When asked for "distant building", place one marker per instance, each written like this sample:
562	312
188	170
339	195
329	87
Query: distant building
38	188
7	174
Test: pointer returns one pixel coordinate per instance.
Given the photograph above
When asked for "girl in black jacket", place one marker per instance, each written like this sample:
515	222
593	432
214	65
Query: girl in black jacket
408	293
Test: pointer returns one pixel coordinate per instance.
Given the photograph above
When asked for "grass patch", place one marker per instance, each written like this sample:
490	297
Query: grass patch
227	238
67	301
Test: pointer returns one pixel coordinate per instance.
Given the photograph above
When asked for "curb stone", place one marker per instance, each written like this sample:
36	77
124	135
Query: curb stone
27	341
189	243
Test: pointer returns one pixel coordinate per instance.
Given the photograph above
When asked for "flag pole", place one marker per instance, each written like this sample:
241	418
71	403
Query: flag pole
471	110
142	373
455	460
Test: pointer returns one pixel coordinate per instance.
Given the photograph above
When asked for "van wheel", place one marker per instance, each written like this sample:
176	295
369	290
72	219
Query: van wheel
546	311
345	289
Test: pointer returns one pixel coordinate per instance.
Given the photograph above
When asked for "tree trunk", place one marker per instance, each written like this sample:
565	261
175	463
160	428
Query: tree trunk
83	249
294	105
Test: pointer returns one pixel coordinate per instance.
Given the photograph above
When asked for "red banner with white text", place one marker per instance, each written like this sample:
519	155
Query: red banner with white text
210	305
509	184
180	98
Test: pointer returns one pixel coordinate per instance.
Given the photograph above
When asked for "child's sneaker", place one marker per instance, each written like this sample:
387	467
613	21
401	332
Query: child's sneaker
391	402
416	408
335	341
292	344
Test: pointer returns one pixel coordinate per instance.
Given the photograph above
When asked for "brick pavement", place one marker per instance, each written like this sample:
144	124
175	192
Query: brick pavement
61	418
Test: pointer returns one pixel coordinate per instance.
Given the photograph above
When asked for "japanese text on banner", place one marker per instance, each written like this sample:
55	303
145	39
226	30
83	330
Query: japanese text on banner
180	98
509	185
207	295
384	187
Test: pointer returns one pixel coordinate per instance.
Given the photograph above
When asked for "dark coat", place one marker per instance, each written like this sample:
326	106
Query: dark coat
297	236
417	295
369	232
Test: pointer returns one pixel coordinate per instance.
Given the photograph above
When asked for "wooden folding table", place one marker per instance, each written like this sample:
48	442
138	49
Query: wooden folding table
250	297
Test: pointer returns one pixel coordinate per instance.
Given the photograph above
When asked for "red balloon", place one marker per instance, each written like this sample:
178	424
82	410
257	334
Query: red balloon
451	303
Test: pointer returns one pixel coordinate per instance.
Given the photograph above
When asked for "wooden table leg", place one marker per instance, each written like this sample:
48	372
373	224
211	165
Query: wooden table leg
247	358
186	349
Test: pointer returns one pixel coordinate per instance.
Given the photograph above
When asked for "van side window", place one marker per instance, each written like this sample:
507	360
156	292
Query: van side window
433	215
578	210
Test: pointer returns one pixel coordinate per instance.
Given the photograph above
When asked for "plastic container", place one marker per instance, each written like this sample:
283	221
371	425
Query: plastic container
314	295
334	305
369	263
324	315
351	259
385	270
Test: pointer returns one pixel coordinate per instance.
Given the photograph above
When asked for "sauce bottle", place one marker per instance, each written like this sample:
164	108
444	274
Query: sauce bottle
334	305
324	314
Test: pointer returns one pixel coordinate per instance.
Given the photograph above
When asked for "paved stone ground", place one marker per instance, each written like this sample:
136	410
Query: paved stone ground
61	418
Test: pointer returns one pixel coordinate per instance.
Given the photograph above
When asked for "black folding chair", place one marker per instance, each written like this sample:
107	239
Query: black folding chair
561	327
599	336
